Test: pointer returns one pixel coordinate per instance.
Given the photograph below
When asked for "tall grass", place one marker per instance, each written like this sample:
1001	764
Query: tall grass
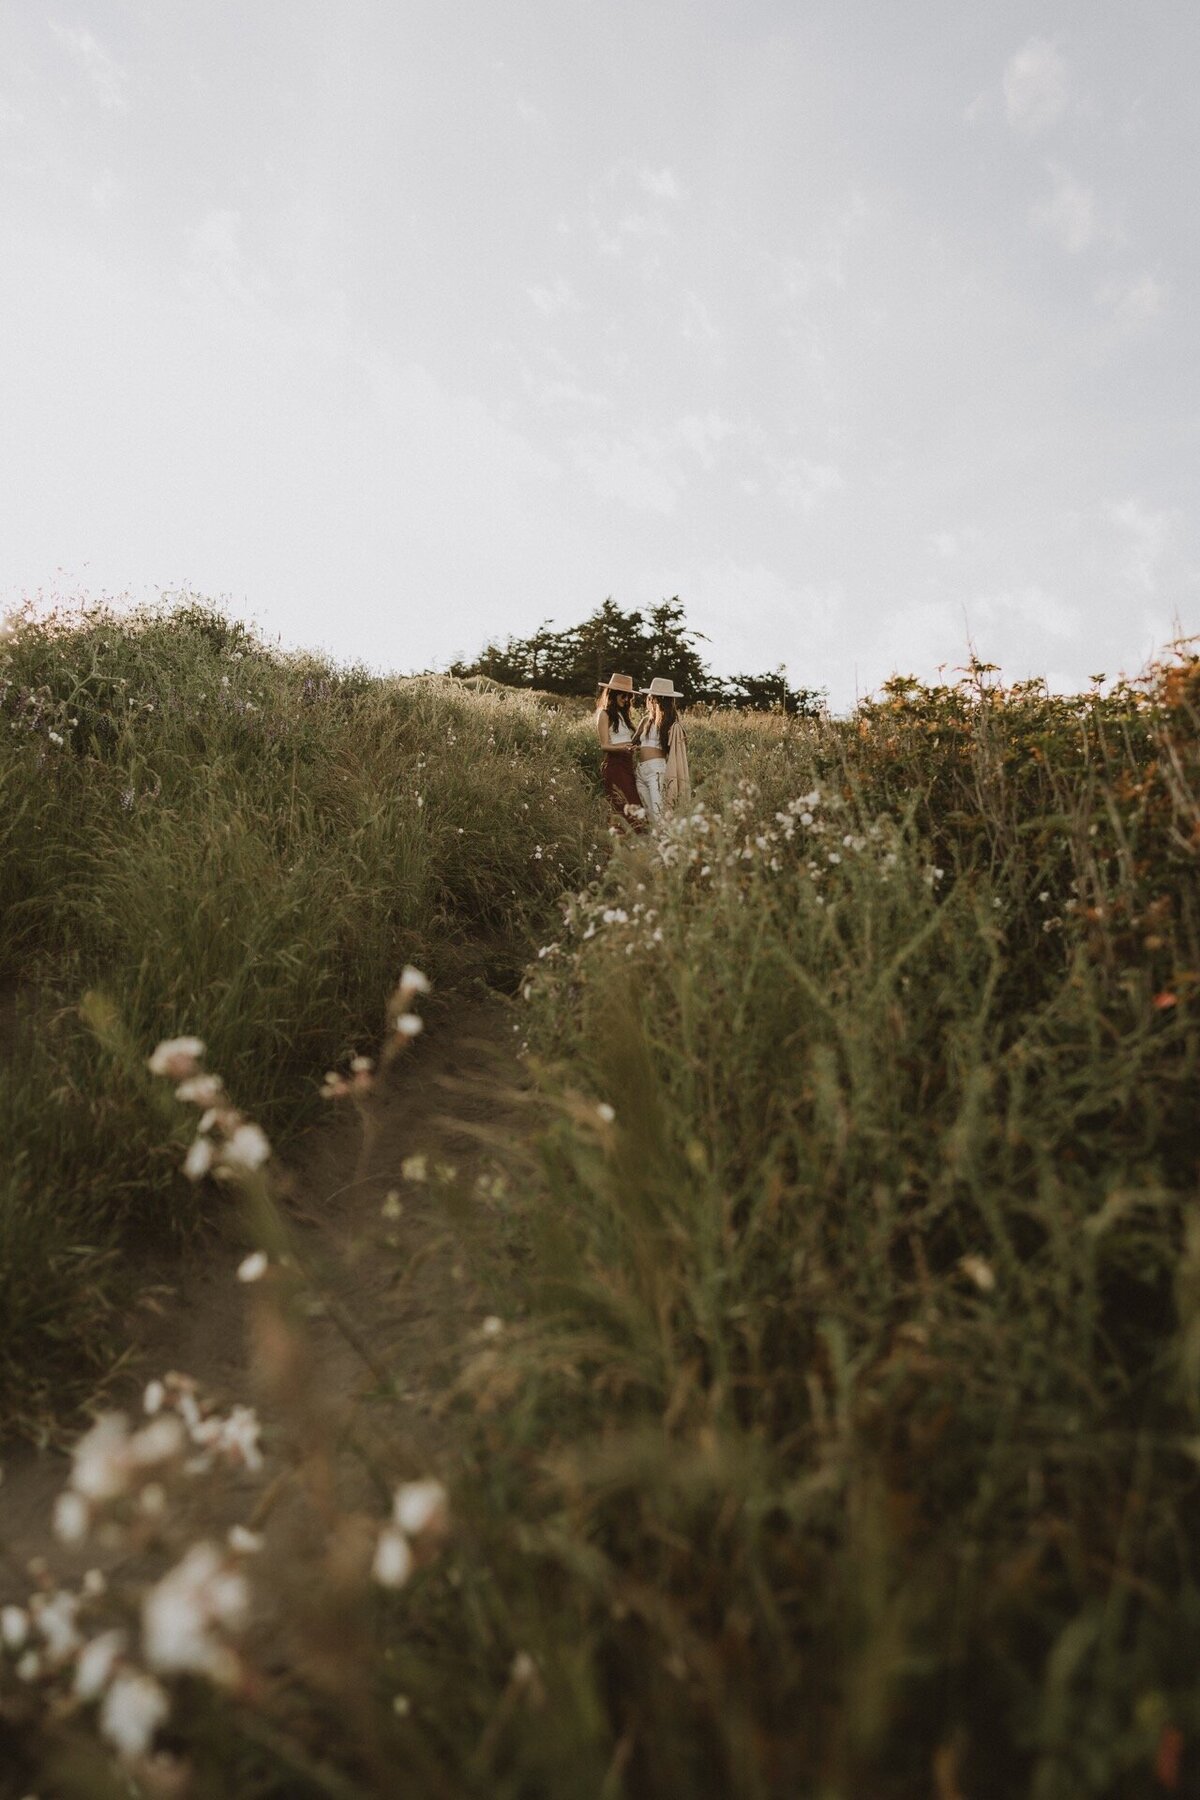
862	1371
836	1434
206	835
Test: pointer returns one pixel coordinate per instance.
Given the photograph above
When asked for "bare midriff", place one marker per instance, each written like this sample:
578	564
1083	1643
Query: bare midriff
650	753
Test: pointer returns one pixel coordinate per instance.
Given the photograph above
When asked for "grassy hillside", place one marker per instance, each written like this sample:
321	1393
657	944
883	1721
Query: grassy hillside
836	1431
205	836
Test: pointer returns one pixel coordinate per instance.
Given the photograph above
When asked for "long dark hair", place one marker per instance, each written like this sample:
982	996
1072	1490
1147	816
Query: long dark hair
667	718
612	705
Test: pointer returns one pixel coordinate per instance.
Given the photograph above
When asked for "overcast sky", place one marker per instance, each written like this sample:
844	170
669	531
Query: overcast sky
859	324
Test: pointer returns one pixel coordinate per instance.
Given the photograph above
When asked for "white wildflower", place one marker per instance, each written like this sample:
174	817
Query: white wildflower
96	1663
392	1206
415	1168
420	1507
244	1541
606	1112
978	1270
101	1459
393	1562
412	981
199	1159
157	1442
29	1666
200	1090
254	1266
55	738
134	1708
492	1326
247	1148
183	1612
409	1024
71	1517
154	1397
55	1619
177	1057
14	1627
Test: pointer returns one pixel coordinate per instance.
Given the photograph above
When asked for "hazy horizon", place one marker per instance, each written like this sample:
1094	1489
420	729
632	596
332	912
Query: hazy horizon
864	331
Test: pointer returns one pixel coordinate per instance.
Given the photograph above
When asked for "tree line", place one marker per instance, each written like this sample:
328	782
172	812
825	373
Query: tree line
654	641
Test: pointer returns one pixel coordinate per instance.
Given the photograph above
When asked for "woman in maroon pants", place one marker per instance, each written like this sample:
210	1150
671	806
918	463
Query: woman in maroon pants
614	728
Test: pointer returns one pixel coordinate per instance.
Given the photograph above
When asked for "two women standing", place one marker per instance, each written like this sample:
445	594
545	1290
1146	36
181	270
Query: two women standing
644	767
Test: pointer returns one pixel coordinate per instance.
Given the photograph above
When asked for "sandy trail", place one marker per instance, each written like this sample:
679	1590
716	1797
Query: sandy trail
403	1288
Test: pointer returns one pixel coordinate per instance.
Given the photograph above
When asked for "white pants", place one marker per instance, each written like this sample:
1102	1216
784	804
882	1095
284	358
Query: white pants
650	778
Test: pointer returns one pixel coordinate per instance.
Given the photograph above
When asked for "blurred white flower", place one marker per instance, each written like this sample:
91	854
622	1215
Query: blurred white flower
157	1442
420	1507
392	1206
29	1666
177	1057
415	1168
199	1159
154	1396
247	1148
978	1270
412	981
101	1459
55	1620
55	738
254	1266
134	1708
409	1024
393	1562
606	1112
244	1541
14	1627
71	1517
96	1663
183	1612
492	1326
200	1090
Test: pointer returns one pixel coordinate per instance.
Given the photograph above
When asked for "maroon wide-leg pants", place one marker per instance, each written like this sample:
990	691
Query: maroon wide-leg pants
620	784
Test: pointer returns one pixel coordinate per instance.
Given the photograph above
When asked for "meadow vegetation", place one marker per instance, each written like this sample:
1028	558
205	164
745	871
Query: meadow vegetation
198	833
838	1433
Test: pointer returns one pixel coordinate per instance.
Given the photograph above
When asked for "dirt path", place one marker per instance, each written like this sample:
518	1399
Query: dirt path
398	1300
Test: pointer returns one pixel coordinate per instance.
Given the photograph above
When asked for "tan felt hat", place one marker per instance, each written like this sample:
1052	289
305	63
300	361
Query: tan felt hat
620	684
662	688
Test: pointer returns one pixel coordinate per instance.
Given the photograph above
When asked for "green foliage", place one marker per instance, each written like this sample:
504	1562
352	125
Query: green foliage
656	642
226	841
862	1348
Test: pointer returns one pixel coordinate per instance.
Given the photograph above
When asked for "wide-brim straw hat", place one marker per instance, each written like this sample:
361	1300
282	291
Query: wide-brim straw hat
662	688
620	684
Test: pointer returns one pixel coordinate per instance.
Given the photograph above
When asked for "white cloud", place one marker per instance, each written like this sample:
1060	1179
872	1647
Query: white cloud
644	469
217	265
699	326
659	183
795	277
1145	536
1068	212
554	299
803	485
531	115
1035	86
635	470
107	78
1133	300
1032	608
702	433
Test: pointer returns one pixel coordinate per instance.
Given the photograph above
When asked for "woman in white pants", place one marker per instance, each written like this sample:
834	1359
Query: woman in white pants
659	736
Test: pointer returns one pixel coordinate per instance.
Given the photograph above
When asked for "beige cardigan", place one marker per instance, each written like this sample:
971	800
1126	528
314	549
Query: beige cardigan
677	784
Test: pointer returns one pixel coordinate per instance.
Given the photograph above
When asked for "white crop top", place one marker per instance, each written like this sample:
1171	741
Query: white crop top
621	732
651	738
